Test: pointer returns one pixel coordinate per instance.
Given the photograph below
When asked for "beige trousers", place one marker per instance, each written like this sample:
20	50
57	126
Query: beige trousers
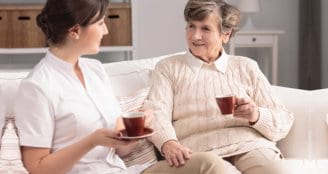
199	163
259	161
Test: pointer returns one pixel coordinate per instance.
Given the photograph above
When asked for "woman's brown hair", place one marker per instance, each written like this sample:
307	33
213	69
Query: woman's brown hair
58	16
228	15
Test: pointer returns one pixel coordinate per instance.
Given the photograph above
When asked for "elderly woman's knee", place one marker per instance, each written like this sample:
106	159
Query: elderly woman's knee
208	159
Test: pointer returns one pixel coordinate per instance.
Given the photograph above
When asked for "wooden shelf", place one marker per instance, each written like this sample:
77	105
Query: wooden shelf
19	28
43	50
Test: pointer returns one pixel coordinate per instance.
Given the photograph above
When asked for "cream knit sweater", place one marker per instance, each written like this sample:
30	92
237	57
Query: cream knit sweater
183	95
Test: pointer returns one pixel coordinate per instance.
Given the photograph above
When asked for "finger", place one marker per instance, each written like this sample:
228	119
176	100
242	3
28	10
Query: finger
186	153
175	160
242	108
180	158
169	161
241	101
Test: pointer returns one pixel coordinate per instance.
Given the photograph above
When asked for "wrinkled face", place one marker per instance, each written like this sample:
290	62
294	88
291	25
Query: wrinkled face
92	35
204	38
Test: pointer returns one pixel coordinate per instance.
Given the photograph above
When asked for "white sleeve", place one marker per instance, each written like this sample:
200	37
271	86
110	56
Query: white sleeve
33	116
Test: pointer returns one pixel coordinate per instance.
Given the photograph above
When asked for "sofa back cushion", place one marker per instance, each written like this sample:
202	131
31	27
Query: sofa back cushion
318	126
127	77
9	83
2	107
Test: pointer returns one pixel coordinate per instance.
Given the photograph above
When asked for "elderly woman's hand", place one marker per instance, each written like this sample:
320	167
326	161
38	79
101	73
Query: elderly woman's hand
149	115
247	109
175	153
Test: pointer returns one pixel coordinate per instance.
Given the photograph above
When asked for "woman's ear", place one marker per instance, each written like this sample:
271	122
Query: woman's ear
226	36
74	32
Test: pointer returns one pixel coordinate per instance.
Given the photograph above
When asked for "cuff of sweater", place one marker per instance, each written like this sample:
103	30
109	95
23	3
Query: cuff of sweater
159	138
264	121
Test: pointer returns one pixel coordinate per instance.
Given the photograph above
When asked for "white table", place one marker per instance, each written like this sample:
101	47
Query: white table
258	38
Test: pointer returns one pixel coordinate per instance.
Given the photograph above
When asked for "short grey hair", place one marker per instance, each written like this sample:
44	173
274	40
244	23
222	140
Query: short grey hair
228	15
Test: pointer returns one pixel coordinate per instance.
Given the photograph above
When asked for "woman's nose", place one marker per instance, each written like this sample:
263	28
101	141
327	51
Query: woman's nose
197	35
105	30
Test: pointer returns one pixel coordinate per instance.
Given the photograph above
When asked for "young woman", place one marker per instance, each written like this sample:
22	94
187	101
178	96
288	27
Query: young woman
66	113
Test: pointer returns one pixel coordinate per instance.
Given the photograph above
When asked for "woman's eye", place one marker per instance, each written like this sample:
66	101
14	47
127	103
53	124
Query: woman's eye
205	29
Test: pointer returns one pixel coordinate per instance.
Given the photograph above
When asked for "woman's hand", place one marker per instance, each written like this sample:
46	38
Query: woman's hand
128	148
107	138
247	109
149	116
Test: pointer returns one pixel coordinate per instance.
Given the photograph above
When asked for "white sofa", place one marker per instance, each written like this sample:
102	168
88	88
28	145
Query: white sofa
305	148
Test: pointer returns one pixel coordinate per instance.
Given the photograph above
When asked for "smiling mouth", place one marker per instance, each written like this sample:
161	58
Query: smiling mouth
197	45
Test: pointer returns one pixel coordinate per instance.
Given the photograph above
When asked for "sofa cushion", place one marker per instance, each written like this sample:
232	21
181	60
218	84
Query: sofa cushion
9	82
318	128
10	155
128	77
2	108
302	166
9	88
133	101
298	139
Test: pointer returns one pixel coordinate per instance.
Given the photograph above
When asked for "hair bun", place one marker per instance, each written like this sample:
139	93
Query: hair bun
42	22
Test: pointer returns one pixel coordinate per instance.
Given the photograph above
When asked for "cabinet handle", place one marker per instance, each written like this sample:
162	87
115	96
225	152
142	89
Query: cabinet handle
0	18
24	18
113	16
254	39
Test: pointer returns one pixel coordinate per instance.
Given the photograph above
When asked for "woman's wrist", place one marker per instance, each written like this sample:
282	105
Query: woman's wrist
90	140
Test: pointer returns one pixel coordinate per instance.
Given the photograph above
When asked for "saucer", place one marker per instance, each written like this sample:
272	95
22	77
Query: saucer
147	133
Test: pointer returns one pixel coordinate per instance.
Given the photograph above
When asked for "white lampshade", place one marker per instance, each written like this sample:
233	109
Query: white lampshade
249	6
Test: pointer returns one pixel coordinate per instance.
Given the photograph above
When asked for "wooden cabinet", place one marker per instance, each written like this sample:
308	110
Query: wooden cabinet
4	31
18	28
119	23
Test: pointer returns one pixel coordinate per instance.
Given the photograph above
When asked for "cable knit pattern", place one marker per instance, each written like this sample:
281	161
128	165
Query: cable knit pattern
183	97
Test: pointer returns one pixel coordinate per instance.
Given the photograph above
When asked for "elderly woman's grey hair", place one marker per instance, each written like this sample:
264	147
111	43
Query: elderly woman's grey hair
228	15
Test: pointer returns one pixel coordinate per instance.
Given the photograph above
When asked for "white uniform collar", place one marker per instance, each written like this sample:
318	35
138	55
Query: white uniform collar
195	63
58	62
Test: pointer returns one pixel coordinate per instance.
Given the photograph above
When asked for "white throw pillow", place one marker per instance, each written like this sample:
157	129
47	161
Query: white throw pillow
133	101
10	155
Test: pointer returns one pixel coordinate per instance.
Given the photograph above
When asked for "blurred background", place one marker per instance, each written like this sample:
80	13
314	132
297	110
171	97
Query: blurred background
158	28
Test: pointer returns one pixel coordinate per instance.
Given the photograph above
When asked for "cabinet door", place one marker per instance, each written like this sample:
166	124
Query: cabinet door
5	32
26	33
118	22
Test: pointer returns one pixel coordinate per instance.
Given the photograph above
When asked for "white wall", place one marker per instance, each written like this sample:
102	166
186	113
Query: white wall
160	26
283	15
324	30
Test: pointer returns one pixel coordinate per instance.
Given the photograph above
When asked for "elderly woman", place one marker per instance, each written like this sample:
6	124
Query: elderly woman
183	93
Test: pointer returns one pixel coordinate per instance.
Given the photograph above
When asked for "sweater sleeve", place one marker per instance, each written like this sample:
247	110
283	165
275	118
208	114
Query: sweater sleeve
275	120
161	96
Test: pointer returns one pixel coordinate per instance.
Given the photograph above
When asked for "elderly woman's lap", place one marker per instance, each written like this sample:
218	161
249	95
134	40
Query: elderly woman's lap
259	161
199	163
